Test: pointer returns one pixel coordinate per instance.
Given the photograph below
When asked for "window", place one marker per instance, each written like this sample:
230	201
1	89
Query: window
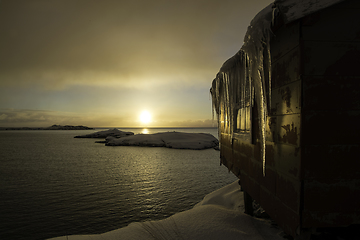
243	112
243	120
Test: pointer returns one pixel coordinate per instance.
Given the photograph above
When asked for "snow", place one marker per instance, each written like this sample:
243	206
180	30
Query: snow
218	216
178	140
106	133
293	9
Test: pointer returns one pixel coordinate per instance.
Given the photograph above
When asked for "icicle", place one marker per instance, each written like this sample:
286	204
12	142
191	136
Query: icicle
248	74
257	47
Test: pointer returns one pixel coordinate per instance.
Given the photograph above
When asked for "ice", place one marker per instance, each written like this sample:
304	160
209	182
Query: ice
257	48
218	216
248	71
178	140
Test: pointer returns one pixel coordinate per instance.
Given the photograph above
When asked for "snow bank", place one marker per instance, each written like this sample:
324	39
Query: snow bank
177	140
218	216
103	134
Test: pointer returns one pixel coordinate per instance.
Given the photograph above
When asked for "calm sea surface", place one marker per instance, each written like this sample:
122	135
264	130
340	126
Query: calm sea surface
52	184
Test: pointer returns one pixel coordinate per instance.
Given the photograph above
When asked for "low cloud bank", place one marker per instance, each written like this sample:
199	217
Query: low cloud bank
44	118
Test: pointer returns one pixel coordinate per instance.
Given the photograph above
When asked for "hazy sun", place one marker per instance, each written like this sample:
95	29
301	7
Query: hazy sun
145	117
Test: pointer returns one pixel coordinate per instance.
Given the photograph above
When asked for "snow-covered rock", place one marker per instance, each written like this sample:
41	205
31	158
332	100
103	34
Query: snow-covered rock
219	216
179	140
116	133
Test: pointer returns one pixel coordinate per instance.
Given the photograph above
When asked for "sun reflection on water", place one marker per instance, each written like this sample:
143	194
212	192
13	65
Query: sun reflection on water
145	131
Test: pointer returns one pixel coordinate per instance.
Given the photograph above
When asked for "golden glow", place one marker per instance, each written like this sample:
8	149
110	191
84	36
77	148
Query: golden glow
145	117
145	131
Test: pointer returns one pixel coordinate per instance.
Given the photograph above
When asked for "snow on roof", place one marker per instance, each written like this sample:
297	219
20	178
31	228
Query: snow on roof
295	9
219	216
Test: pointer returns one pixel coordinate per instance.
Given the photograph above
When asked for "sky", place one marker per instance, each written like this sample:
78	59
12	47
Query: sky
103	63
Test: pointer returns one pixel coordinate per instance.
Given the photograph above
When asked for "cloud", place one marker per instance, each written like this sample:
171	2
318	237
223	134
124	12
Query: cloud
61	43
186	123
24	116
41	118
3	117
97	63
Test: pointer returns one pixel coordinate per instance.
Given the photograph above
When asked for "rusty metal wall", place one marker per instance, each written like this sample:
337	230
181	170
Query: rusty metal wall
331	116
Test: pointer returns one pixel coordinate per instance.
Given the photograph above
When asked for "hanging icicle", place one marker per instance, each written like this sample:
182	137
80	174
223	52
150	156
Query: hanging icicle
247	73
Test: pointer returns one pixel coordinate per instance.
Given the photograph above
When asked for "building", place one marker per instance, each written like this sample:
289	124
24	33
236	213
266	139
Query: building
288	108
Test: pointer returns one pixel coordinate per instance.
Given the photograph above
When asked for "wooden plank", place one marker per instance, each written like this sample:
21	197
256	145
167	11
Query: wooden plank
285	217
331	161
288	190
331	92
284	129
284	40
330	127
331	202
331	58
286	69
327	219
286	99
332	25
288	161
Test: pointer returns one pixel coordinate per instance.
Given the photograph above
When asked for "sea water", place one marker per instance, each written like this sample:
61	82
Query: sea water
52	184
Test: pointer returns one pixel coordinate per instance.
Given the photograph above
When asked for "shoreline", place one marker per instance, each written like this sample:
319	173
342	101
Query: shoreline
220	215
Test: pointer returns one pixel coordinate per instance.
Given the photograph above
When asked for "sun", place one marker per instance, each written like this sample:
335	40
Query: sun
145	117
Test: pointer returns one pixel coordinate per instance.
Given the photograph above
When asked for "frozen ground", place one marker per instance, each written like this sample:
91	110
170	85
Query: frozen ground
218	216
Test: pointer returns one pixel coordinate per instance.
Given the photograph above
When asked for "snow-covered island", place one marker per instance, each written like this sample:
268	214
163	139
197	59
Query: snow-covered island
116	133
178	140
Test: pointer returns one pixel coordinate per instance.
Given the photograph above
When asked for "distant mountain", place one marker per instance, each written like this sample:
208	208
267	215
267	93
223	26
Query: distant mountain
53	127
67	127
